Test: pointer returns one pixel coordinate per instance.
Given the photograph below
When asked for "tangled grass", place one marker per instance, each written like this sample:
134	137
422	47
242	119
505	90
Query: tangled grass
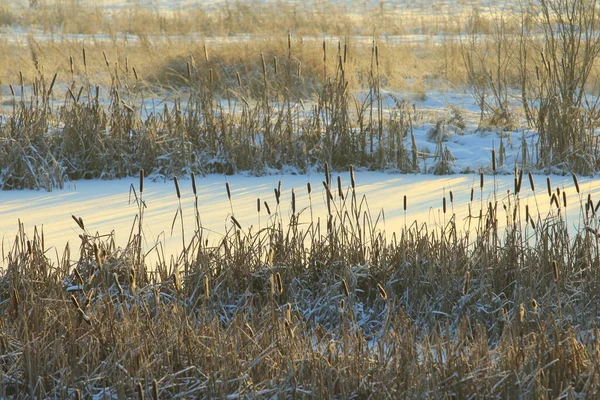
335	308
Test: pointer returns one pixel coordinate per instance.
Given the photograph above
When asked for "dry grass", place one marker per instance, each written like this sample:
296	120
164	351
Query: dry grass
332	309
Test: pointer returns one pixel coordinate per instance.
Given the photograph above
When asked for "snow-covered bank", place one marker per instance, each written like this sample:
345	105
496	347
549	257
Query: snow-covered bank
108	206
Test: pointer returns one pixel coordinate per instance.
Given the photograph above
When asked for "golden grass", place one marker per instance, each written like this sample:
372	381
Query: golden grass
334	312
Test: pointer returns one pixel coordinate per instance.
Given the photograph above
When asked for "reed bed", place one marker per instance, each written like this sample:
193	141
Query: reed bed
332	308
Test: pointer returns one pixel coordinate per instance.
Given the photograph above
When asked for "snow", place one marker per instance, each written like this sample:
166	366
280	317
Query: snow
107	206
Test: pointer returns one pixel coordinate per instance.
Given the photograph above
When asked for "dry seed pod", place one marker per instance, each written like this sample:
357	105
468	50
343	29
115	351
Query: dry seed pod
467	283
279	283
345	288
531	183
576	182
141	180
521	313
177	187
206	287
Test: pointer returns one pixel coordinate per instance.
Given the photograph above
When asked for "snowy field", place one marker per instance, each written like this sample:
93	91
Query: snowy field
108	207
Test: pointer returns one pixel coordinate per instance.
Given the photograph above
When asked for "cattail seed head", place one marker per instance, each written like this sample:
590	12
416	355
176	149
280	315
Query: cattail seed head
521	313
228	190
576	182
549	186
352	179
206	287
404	203
340	190
345	288
193	176
555	270
141	180
481	180
494	160
279	283
177	187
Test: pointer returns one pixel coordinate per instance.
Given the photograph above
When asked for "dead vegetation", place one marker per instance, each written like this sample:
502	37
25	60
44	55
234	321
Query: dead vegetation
335	308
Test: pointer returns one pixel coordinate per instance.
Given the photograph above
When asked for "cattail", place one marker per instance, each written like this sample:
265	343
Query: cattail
352	180
404	203
228	190
272	284
549	186
276	195
84	58
293	202
279	283
530	175
342	305
345	288
258	205
481	180
289	45
564	196
326	163
97	255
340	190
451	197
308	188
555	270
576	182
135	74
52	84
141	180
288	312
444	204
382	292
267	208
194	184
12	91
189	70
177	187
235	221
466	283
206	287
472	193
521	313
494	160
275	65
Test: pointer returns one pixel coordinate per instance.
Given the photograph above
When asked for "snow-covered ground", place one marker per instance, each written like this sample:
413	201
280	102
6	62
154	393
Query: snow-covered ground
107	206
